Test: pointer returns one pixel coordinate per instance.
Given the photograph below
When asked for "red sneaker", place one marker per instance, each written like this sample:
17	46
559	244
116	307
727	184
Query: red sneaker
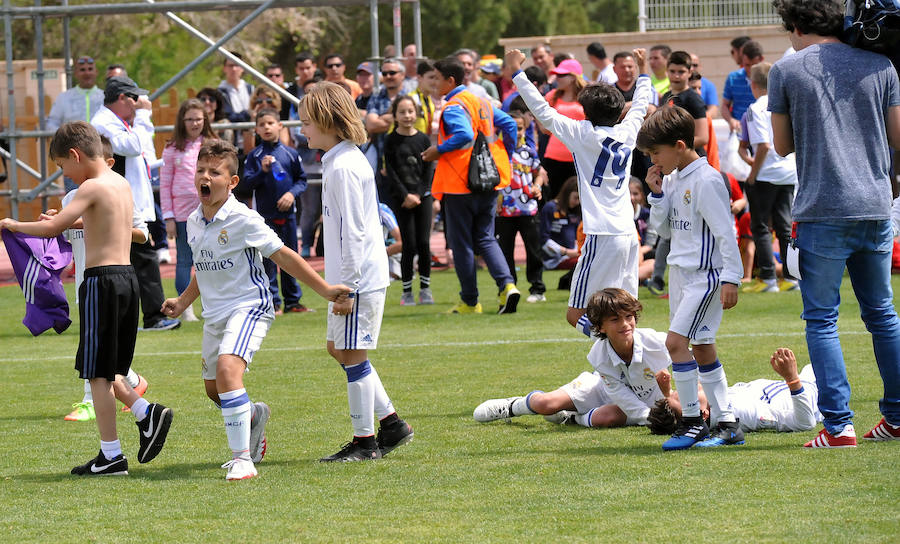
844	439
140	389
882	432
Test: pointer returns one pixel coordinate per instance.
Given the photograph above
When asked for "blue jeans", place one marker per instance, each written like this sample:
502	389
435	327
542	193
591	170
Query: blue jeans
184	257
470	228
864	248
287	231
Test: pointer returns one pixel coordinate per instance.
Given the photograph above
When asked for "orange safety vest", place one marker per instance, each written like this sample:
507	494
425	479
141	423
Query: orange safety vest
712	147
452	171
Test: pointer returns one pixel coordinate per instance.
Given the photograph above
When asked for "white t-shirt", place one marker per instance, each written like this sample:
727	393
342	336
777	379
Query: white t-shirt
775	169
602	157
228	254
354	243
769	404
632	385
607	75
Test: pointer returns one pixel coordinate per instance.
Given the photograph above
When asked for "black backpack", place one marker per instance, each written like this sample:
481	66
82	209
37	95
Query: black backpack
483	173
874	25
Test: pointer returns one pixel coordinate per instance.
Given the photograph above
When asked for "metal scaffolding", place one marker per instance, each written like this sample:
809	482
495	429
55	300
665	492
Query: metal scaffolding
38	13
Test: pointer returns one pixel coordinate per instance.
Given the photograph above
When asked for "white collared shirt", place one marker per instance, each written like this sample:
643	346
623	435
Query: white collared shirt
228	252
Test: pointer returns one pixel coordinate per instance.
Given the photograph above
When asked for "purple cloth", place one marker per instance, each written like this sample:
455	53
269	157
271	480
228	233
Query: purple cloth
38	263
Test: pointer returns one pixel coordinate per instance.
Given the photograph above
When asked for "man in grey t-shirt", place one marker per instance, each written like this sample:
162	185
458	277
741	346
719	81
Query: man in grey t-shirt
839	109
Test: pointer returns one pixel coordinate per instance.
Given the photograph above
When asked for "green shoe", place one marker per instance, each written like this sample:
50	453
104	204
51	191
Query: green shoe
82	411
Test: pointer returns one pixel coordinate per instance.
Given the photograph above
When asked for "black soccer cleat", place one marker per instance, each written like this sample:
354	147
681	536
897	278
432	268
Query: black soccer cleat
393	435
355	450
152	431
101	466
689	432
726	433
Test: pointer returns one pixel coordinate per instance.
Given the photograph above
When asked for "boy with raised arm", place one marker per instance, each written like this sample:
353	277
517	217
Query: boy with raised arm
602	151
109	294
229	241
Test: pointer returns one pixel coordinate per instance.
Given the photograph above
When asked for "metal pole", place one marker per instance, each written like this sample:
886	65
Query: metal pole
81	10
67	48
398	34
11	97
376	53
39	53
642	15
227	54
417	29
212	49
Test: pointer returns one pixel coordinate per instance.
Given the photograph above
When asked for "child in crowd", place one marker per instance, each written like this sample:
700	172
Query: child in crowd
84	410
177	194
771	185
109	296
274	173
560	219
354	256
229	241
646	236
691	204
623	388
409	178
426	80
393	241
517	211
311	199
602	151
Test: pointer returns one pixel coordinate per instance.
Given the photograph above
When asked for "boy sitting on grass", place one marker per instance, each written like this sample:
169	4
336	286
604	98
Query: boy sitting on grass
229	241
109	300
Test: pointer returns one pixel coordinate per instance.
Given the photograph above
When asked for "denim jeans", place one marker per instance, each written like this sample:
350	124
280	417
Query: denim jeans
184	257
864	248
287	231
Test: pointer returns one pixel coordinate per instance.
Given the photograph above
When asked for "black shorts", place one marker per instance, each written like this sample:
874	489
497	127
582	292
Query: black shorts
109	308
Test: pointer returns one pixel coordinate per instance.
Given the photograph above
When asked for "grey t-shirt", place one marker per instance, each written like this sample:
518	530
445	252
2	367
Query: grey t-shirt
837	97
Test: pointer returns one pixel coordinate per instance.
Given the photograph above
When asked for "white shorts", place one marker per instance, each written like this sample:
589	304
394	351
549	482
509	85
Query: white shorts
605	261
695	306
240	334
360	329
587	392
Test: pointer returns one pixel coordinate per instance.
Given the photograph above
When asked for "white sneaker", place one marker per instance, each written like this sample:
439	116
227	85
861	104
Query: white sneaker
494	409
240	469
188	314
536	297
163	255
563	417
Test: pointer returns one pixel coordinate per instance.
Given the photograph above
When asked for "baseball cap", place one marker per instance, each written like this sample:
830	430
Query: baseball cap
117	85
365	67
568	66
490	68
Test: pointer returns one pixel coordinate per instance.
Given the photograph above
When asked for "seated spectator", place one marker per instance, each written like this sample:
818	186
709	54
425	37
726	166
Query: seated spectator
560	219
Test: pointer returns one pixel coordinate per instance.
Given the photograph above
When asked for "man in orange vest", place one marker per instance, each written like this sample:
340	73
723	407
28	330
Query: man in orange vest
470	216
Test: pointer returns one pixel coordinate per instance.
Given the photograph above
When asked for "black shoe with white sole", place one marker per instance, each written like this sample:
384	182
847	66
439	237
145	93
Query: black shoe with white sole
152	431
101	466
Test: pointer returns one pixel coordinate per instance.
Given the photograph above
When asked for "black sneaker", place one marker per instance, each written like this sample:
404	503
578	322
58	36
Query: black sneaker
354	451
725	434
393	435
152	431
689	432
101	466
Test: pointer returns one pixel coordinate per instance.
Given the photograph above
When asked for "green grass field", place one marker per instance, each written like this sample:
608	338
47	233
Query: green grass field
458	481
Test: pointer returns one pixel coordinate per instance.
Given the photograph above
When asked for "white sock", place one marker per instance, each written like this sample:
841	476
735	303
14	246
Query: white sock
520	406
236	412
139	408
361	397
88	396
712	376
111	450
584	325
132	378
383	405
584	419
685	376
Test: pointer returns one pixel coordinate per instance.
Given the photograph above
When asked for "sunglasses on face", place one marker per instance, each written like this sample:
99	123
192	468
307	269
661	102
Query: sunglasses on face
334	65
265	100
695	65
273	76
387	73
85	60
206	99
131	96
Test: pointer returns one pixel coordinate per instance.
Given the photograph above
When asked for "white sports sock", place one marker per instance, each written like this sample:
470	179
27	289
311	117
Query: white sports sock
685	376
383	405
361	398
132	378
584	419
712	376
111	450
236	412
88	396
139	408
584	325
520	406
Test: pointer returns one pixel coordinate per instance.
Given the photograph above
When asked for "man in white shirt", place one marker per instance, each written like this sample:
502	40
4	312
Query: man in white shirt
597	55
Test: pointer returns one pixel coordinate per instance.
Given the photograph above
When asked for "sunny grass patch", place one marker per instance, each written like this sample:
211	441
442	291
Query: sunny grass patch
458	481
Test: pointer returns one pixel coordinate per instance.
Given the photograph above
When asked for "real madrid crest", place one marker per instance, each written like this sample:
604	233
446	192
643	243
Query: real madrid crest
223	237
648	374
687	197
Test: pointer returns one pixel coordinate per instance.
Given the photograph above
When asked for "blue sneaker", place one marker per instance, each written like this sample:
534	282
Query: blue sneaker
689	432
165	324
725	434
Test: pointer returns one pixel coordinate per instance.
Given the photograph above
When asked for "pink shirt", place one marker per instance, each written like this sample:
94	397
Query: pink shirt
557	150
177	193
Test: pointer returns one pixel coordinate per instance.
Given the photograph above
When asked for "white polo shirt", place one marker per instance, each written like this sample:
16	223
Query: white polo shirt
228	254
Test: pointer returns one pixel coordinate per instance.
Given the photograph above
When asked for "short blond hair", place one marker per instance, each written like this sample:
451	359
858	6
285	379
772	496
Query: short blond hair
331	108
759	74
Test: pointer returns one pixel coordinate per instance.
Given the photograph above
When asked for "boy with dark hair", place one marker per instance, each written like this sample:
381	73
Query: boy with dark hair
691	206
108	295
678	69
228	241
602	151
274	173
